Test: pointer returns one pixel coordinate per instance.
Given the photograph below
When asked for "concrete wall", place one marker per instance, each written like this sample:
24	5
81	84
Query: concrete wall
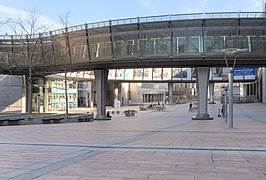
264	85
10	93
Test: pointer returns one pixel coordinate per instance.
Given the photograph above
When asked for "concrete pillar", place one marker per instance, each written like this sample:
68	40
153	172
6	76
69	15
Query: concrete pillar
259	91
170	92
117	87
24	95
26	101
101	76
46	97
202	80
40	96
263	85
249	89
211	92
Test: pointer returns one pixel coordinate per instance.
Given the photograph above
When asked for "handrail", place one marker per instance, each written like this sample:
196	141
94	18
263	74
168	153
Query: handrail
157	18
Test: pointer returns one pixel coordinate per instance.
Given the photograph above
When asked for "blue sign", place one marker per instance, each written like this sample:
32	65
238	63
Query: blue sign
246	71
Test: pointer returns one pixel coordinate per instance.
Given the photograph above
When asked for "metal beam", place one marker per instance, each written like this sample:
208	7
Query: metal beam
68	44
53	48
88	41
111	40
42	52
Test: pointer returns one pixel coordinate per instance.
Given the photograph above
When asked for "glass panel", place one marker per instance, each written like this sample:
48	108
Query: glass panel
154	42
100	47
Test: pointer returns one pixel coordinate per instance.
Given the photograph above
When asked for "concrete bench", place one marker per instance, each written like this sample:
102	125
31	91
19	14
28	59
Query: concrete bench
80	117
54	120
13	119
129	113
85	118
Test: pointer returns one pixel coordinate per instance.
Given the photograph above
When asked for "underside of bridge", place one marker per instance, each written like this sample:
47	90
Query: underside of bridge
191	40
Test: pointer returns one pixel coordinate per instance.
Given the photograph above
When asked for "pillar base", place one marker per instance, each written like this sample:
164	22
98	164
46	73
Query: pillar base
212	102
102	118
202	117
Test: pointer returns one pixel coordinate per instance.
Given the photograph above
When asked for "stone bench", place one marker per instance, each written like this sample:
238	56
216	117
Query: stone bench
81	118
53	118
129	113
13	119
85	118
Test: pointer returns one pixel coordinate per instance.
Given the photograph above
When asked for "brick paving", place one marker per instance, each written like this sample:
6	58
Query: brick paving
151	145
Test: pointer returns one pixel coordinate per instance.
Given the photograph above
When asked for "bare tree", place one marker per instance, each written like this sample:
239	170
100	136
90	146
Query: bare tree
66	55
27	46
3	53
68	43
4	23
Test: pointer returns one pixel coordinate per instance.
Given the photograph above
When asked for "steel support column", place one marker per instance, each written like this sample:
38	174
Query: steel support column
211	92
101	76
112	40
264	85
53	46
202	80
88	41
170	92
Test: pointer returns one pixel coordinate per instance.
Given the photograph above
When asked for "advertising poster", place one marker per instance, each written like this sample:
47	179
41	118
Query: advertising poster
138	74
129	74
216	73
225	73
89	75
80	74
167	73
177	74
71	74
120	73
157	73
186	73
147	74
193	74
111	74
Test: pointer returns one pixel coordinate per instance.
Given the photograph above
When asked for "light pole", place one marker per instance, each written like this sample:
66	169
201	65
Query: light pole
231	97
233	52
225	104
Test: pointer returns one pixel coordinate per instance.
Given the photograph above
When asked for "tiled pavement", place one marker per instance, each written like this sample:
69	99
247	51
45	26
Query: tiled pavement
150	145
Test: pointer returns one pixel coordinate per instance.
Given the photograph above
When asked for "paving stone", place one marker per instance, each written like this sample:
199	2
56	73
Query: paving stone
151	145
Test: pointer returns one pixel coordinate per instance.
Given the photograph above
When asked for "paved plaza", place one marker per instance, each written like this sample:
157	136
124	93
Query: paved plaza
150	145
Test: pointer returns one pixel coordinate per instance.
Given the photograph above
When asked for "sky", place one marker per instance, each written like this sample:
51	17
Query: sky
87	11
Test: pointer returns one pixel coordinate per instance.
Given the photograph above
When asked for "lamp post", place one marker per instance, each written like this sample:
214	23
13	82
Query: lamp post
225	104
231	97
233	52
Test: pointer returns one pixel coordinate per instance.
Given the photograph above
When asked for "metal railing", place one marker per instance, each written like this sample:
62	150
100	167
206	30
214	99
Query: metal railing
159	18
